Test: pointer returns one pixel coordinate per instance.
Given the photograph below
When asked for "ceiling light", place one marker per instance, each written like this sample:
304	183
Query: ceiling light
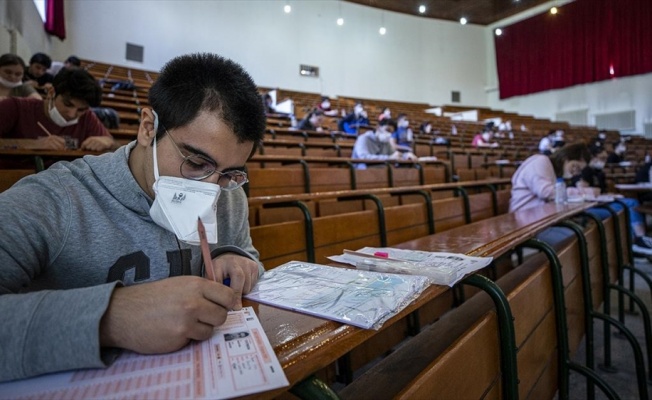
499	31
287	8
340	21
422	9
382	30
463	21
553	10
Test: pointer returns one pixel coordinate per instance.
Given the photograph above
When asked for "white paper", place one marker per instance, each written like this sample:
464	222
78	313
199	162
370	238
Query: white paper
236	361
453	266
360	298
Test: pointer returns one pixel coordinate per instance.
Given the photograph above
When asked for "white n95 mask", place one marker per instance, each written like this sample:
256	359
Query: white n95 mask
179	201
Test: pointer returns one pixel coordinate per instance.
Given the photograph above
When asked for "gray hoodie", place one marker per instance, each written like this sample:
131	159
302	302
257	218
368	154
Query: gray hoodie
69	235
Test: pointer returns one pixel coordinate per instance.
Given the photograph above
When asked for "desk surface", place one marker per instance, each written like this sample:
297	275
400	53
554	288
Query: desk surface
306	344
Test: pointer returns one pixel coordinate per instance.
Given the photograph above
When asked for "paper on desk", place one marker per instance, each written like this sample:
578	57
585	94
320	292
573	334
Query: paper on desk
454	266
236	361
360	298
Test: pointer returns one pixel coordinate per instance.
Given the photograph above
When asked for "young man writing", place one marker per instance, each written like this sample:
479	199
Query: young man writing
65	113
103	252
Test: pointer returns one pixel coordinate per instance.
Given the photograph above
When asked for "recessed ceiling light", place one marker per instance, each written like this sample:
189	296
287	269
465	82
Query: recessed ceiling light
463	21
287	8
499	31
553	10
340	21
422	9
382	30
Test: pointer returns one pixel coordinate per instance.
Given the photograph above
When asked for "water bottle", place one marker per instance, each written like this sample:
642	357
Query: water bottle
560	191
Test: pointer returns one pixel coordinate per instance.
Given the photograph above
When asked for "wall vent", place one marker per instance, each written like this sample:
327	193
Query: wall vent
577	117
624	120
135	52
456	96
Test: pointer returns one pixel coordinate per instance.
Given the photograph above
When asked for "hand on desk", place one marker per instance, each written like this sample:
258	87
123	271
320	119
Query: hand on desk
51	142
163	316
242	272
98	143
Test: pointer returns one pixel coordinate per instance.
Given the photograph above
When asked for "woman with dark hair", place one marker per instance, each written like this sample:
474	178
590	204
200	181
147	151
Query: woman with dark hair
12	69
533	183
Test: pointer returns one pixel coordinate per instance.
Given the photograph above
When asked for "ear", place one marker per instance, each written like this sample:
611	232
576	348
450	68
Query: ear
146	132
50	93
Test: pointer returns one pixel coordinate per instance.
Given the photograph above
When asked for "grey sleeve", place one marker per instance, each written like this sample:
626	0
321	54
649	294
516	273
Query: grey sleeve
52	330
43	330
363	149
233	227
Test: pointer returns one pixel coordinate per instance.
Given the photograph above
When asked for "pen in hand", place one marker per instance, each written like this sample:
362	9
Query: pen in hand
206	254
44	128
205	251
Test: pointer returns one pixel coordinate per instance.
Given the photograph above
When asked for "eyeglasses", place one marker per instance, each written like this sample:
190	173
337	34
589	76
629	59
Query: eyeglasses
198	167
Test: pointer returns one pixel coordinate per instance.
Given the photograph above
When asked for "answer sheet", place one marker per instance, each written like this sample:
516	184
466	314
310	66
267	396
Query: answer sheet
238	360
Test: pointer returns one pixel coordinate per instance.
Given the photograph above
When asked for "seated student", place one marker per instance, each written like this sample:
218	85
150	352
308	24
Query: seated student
12	69
325	107
385	113
71	62
558	139
533	183
593	176
45	124
268	103
36	73
354	121
312	121
483	139
546	143
376	145
426	130
94	259
618	155
403	137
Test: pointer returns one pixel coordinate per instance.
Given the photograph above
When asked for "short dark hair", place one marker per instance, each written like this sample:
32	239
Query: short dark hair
78	84
11	59
387	121
41	58
74	60
572	152
196	82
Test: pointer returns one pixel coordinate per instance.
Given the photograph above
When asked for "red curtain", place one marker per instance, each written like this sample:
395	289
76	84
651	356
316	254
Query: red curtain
586	41
55	23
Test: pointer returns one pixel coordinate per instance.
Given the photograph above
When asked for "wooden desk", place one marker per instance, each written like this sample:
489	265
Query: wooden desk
41	157
305	344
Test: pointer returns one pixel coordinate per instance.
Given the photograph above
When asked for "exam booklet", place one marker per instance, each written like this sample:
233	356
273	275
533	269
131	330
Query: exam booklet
440	267
361	298
238	360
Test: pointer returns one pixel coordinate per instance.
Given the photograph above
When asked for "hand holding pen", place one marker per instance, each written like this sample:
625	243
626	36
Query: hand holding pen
237	271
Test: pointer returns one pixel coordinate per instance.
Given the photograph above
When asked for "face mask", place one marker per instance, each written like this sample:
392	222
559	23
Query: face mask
597	164
383	136
326	105
9	84
358	110
427	129
387	113
486	137
58	119
404	123
179	201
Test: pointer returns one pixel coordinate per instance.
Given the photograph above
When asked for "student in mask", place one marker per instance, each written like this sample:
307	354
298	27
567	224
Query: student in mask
352	123
483	139
376	145
12	69
312	121
533	183
64	115
618	155
325	107
102	253
593	176
403	137
386	113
